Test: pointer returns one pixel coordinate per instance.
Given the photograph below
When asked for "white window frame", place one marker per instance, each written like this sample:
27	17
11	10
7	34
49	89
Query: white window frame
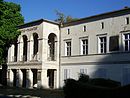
66	74
83	71
83	45
66	48
68	31
99	44
127	20
102	25
128	40
84	28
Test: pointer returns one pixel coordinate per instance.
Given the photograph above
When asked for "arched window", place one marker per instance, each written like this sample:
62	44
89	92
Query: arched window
35	45
25	45
52	39
15	51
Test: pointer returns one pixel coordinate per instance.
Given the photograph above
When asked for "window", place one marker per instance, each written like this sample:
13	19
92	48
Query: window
84	28
102	25
84	46
66	74
102	44
127	42
68	31
127	20
68	48
114	43
83	71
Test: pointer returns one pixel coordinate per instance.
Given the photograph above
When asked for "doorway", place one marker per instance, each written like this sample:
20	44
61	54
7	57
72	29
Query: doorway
51	77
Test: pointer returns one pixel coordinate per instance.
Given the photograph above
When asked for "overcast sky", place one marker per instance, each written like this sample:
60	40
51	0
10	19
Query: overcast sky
37	9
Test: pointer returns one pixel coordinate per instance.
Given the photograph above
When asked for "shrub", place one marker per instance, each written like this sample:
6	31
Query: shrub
83	78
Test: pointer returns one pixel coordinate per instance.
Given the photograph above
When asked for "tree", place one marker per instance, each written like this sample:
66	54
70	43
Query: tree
10	18
62	18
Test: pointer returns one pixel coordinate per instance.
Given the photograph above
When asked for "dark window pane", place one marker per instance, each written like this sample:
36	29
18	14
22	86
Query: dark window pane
114	43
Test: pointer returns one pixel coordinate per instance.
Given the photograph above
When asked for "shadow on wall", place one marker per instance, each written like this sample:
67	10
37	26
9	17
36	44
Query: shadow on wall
114	65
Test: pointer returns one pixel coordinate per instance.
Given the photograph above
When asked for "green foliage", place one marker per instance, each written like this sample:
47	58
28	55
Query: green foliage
10	18
62	18
83	78
86	87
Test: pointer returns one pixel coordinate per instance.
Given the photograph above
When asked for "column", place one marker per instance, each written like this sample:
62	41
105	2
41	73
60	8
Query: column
11	77
39	78
29	81
31	49
55	78
12	53
9	54
19	78
21	51
44	79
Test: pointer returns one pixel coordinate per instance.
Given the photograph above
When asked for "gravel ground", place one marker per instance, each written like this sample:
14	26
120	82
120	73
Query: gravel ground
13	92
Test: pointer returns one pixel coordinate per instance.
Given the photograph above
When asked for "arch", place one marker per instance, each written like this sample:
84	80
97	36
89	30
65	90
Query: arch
15	51
35	45
25	47
52	39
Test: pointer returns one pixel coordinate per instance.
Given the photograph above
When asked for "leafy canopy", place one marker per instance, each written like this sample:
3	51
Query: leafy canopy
62	18
10	18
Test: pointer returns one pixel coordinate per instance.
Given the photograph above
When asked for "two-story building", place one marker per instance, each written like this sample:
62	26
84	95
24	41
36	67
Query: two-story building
46	53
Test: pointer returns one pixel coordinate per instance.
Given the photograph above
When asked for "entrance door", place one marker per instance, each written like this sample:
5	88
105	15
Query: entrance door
50	75
24	77
14	77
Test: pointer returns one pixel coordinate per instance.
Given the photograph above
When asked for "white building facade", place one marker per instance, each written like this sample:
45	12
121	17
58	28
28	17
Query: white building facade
46	53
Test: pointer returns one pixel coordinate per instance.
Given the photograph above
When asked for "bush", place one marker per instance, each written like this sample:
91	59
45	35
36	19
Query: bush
83	78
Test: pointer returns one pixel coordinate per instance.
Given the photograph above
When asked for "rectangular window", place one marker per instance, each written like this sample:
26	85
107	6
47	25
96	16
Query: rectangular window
68	48
83	71
68	31
102	25
84	46
114	43
102	44
127	20
84	28
66	74
127	42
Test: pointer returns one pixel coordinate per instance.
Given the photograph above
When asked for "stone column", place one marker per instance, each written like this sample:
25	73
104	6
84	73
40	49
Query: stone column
44	79
9	54
29	80
21	51
31	49
11	77
20	78
12	53
55	78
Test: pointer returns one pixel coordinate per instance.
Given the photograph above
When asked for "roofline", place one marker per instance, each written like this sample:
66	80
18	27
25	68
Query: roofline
37	21
94	16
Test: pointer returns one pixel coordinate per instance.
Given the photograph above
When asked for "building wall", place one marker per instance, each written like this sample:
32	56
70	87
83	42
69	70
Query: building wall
111	63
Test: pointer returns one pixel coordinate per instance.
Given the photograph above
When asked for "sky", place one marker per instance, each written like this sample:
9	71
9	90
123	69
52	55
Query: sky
37	9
